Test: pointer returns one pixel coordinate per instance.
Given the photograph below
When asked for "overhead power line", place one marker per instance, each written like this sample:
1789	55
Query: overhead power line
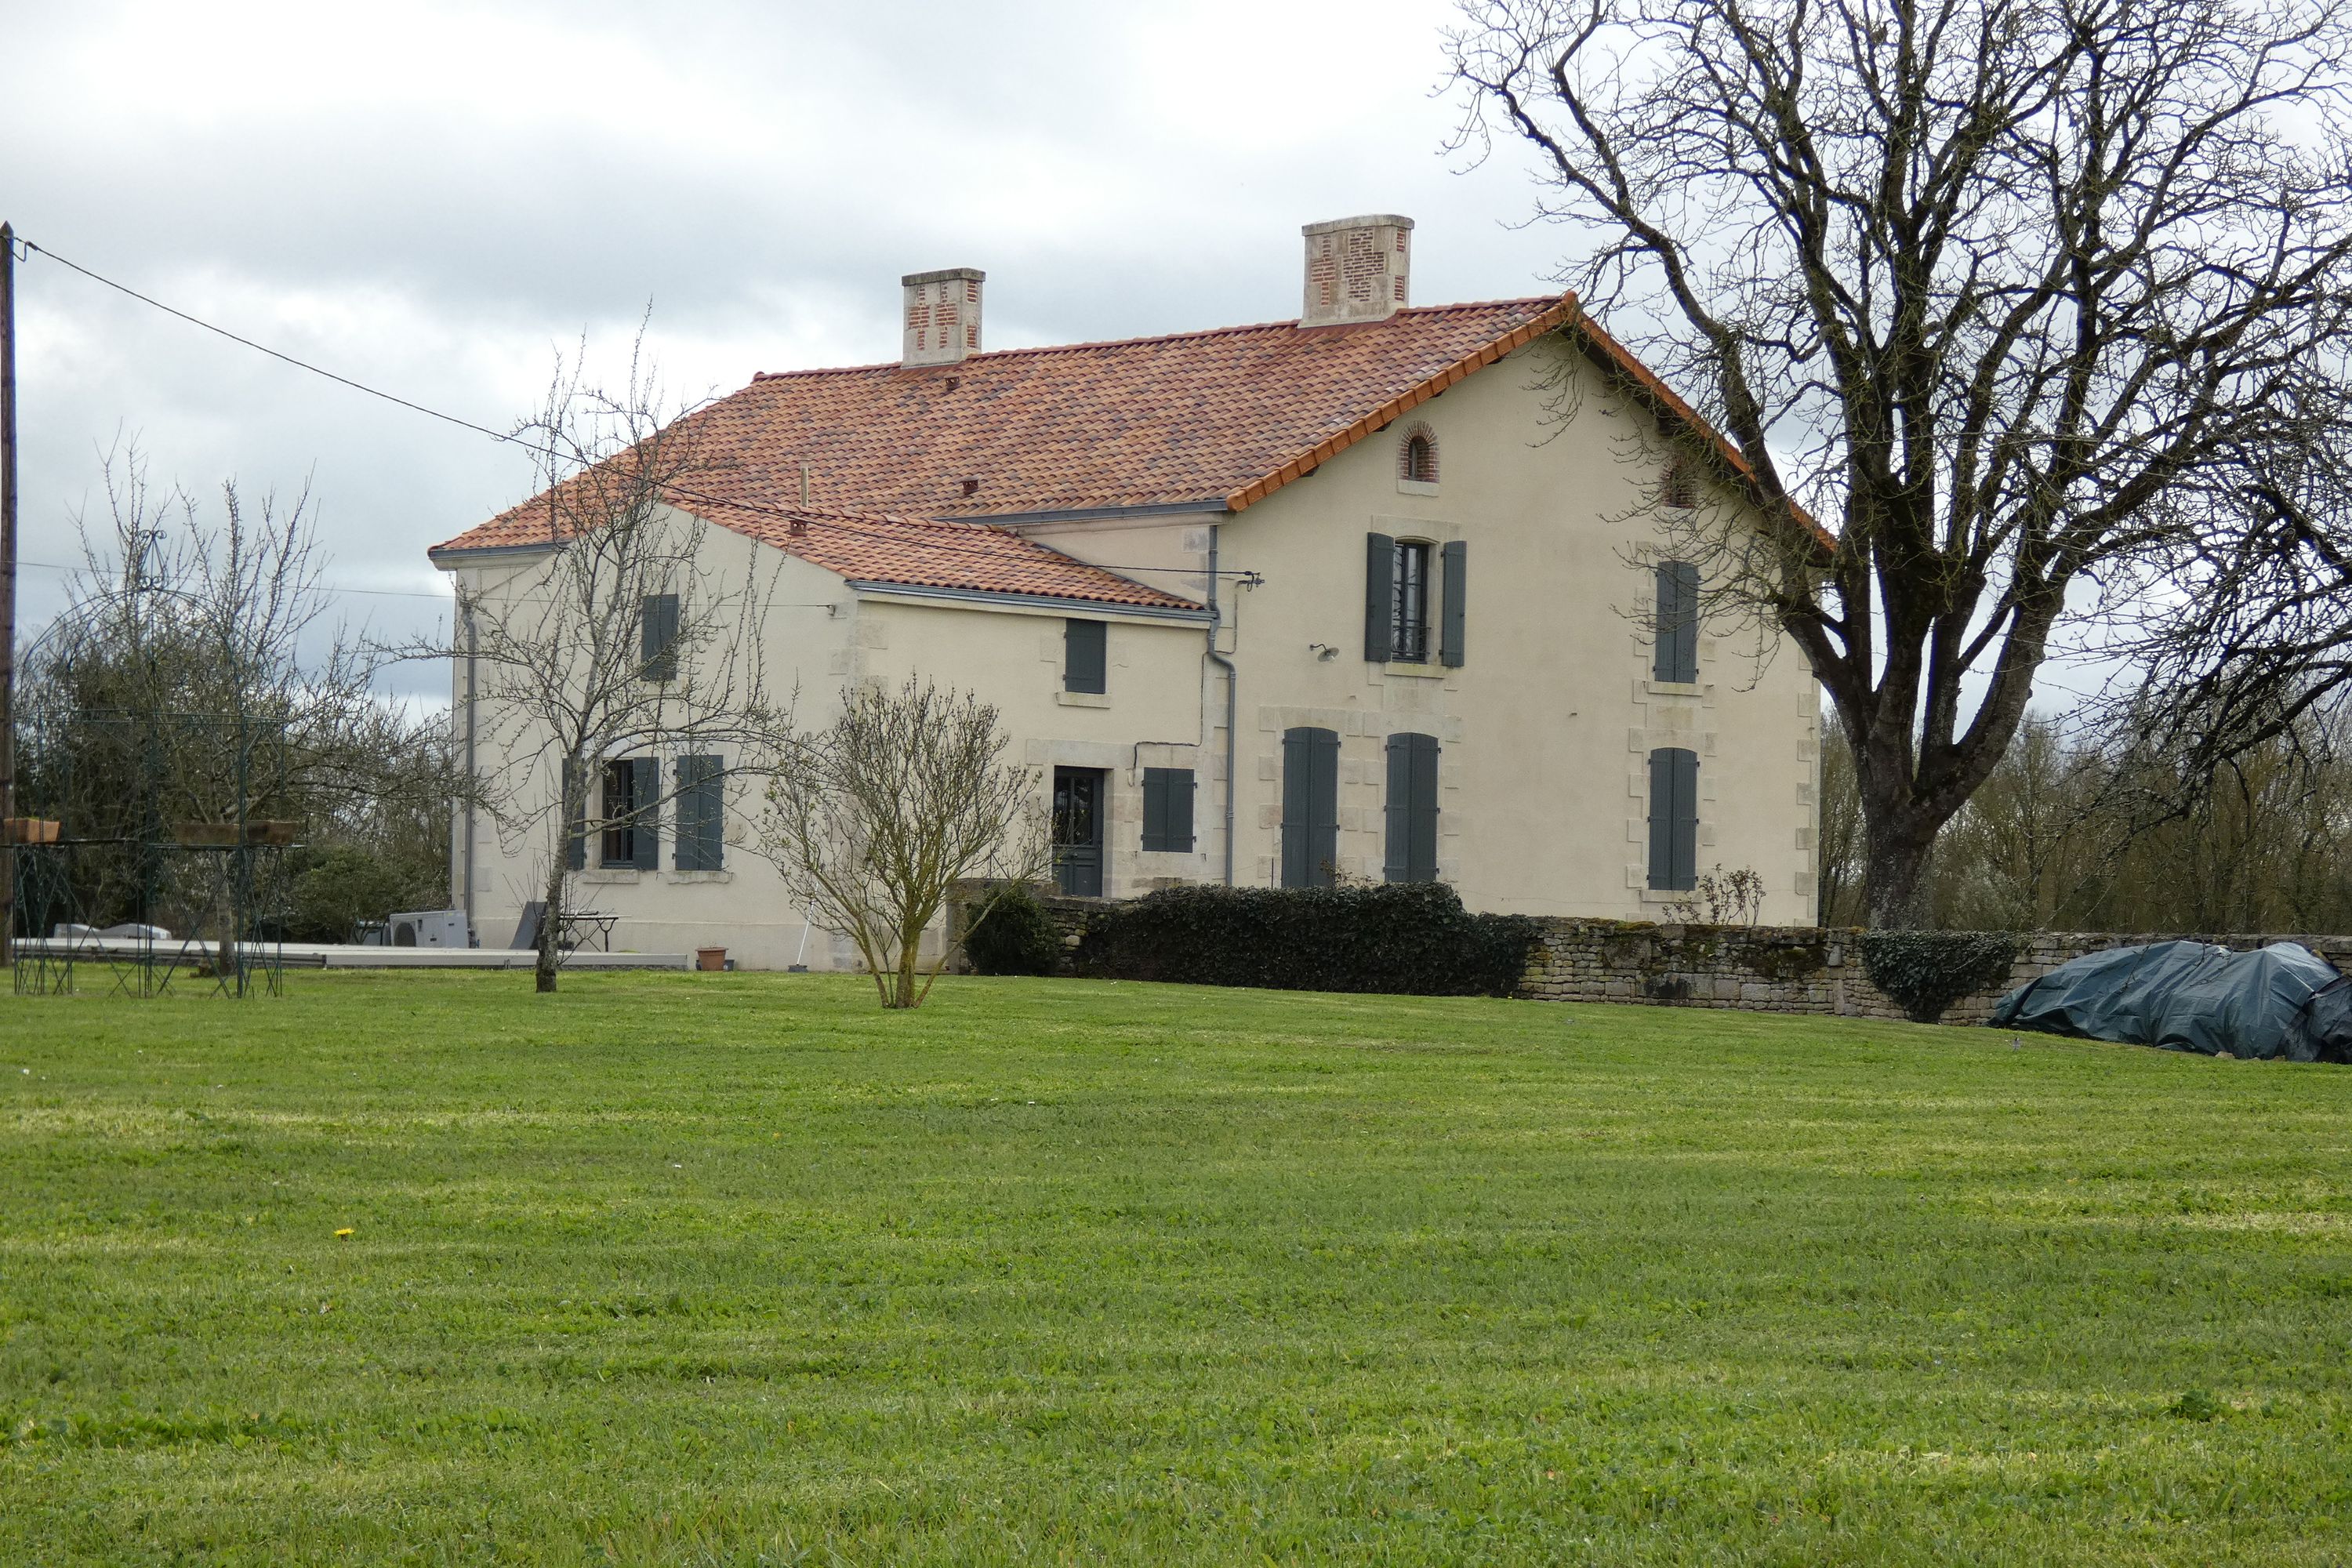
323	587
511	438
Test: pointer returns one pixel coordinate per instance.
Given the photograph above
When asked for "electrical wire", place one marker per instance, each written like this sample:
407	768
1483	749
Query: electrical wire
511	438
323	587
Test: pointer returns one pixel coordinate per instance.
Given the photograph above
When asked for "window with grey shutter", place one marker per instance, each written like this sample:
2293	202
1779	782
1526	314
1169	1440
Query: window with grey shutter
644	826
575	835
1413	808
1380	595
1167	810
1674	819
616	843
1409	604
701	814
1678	623
1311	807
1455	589
1085	663
658	636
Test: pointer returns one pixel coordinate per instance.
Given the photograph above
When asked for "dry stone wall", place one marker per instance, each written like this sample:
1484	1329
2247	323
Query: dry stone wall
1788	969
1763	969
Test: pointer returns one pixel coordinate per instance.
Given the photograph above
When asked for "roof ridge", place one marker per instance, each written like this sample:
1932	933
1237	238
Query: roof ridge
832	514
1198	333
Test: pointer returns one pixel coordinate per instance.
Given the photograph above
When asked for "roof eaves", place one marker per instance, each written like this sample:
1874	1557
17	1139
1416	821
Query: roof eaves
1479	359
1614	355
1174	609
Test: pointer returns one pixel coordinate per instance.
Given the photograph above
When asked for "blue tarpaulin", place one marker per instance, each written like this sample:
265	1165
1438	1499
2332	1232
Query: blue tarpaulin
2283	1000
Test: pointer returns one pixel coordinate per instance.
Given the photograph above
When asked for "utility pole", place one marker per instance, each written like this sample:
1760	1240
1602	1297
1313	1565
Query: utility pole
8	592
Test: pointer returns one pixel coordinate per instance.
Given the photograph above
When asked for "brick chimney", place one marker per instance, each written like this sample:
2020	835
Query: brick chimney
1357	268
943	315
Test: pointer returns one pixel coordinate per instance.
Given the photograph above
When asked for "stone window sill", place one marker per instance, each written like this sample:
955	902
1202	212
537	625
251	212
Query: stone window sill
609	874
1416	488
1674	687
1083	699
1431	670
698	875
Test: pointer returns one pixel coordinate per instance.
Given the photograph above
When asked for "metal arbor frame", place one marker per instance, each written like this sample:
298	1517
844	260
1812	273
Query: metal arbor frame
225	878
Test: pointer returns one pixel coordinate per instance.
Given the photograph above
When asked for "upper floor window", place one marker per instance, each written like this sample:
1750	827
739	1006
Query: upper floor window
658	636
1408	583
1420	464
1678	486
1409	604
1676	656
1086	656
1417	456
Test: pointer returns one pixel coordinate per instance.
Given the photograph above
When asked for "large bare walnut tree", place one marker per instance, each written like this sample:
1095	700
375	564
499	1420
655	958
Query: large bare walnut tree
874	817
633	641
2002	291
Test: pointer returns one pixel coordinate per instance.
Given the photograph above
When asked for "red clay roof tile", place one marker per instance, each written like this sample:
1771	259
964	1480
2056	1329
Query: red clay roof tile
1214	419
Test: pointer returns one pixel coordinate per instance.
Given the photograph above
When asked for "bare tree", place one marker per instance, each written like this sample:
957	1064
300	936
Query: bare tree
874	818
635	637
2000	289
195	676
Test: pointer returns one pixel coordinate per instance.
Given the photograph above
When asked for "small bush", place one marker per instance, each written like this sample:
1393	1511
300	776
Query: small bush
1014	935
1925	972
1408	937
339	886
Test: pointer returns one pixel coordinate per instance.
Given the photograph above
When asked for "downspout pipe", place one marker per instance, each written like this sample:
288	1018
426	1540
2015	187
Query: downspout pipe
473	936
1232	681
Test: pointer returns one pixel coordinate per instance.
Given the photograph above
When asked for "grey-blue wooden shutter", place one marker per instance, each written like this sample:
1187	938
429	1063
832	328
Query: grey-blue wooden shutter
1311	807
1455	589
1677	637
575	835
657	636
644	813
1411	808
1167	810
1380	595
701	814
1674	819
1084	656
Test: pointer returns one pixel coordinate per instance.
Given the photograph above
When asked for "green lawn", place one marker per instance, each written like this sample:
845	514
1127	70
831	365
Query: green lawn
738	1268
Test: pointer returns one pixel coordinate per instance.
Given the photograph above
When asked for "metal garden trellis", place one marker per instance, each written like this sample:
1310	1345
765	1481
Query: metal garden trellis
130	857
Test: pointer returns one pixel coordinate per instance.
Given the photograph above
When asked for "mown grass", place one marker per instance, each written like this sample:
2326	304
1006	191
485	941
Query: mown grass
738	1268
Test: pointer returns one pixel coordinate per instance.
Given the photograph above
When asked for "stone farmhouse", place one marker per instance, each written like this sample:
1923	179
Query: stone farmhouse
1373	594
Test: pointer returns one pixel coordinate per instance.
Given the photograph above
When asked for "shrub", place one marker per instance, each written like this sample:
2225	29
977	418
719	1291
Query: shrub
1408	937
1926	972
1014	935
343	884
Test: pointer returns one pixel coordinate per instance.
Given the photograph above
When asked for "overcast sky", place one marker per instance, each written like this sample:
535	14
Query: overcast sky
434	204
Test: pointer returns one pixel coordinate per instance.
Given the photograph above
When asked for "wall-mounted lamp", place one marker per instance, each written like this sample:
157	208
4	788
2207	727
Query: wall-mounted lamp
1323	651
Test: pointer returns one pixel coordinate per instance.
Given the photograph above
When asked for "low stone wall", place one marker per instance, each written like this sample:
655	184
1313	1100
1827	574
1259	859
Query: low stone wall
1760	969
1788	969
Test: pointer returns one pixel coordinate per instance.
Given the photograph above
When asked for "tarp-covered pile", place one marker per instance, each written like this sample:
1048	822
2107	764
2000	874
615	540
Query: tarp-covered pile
2283	1000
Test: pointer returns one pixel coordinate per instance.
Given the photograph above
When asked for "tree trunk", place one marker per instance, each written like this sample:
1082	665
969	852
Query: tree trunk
903	982
551	923
1894	885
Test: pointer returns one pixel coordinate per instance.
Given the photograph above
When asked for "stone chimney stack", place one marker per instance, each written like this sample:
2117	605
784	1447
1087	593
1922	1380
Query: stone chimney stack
1357	268
943	315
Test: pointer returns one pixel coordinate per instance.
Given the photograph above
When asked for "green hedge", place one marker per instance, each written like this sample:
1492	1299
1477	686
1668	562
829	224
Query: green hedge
1411	938
1013	934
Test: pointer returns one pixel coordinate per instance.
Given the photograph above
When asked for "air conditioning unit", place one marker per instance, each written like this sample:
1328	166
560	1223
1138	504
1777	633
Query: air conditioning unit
429	928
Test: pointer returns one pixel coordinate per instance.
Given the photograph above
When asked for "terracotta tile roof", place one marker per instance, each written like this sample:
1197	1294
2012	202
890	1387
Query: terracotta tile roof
1212	419
1196	418
922	553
